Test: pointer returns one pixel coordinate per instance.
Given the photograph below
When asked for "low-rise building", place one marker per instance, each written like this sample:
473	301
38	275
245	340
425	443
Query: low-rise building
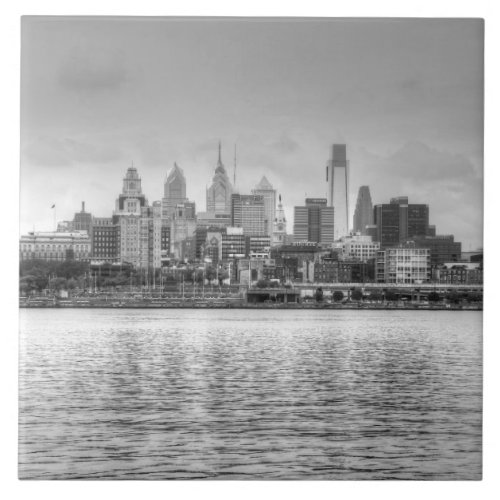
55	246
403	264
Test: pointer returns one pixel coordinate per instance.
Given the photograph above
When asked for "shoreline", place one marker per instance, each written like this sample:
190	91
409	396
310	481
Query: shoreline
291	306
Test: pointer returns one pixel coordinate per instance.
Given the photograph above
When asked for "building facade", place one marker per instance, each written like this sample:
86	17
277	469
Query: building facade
403	264
265	189
219	193
338	189
54	246
279	236
105	239
174	191
363	214
314	222
399	221
359	247
248	212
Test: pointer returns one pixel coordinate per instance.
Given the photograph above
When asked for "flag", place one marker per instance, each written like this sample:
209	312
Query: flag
53	206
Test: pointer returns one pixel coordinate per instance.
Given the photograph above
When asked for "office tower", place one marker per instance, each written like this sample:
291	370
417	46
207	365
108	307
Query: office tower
248	212
174	191
337	178
399	221
443	248
266	190
279	229
314	222
182	226
131	198
363	214
219	193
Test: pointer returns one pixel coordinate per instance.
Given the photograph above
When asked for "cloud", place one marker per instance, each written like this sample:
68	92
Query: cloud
103	70
51	151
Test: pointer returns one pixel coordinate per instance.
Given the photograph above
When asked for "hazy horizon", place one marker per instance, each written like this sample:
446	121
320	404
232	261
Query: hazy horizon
405	95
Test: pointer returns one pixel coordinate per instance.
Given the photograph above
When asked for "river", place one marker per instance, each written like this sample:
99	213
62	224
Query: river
250	394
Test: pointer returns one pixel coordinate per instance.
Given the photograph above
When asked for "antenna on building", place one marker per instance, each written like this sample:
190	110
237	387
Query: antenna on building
234	174
220	151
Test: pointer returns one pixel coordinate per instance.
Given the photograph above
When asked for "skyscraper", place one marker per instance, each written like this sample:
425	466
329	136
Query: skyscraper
219	193
131	198
399	221
337	178
314	222
363	215
266	190
248	212
174	191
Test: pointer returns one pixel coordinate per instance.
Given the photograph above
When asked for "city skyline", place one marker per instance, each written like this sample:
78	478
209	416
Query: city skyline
412	121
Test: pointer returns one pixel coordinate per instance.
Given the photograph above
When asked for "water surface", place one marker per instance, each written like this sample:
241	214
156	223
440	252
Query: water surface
250	394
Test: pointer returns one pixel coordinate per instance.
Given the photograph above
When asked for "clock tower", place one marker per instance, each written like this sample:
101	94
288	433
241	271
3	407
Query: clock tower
279	227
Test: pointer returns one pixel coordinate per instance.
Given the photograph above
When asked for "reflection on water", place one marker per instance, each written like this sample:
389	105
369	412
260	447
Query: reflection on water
250	394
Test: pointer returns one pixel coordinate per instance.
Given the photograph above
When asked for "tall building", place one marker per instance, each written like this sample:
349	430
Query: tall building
279	229
399	221
105	239
314	222
182	226
363	214
337	178
219	193
131	199
265	189
248	212
443	248
174	191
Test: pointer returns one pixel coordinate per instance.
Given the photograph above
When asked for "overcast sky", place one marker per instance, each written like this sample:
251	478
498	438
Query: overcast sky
406	97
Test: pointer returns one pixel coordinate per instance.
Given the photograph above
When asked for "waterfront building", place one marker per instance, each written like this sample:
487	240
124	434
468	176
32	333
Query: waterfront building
219	193
403	264
265	189
279	236
399	221
442	248
338	189
314	222
360	247
458	273
105	239
363	214
248	213
55	246
174	191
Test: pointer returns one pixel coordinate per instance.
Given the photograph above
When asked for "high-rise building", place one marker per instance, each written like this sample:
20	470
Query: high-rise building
337	178
219	193
399	221
174	191
131	199
279	230
314	222
443	248
265	189
182	226
248	212
363	214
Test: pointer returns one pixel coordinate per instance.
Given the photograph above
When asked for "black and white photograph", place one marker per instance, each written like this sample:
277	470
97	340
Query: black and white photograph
251	248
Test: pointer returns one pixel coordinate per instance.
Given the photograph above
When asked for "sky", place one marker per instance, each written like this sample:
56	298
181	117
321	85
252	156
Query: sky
406	96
